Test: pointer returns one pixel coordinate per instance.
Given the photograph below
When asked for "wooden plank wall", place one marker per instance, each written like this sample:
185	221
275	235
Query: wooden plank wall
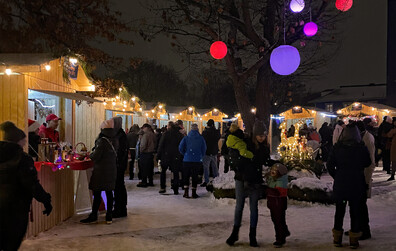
87	124
60	185
13	100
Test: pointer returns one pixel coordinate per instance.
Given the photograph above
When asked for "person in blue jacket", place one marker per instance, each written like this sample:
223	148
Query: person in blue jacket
193	148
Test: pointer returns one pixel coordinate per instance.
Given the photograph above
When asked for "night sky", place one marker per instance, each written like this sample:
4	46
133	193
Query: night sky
361	59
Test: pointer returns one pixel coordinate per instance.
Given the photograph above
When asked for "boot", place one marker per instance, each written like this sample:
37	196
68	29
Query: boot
109	218
234	236
392	177
194	193
337	237
176	190
252	237
354	239
92	218
185	195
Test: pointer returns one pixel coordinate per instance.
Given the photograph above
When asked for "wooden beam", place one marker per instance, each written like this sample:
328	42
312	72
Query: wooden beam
21	68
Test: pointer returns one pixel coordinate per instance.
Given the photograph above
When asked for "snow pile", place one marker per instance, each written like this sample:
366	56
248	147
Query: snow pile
312	184
304	173
224	181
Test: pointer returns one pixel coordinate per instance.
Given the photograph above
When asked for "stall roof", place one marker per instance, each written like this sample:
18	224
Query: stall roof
25	58
69	95
175	109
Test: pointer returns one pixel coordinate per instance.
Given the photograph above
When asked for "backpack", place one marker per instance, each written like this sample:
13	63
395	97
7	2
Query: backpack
235	160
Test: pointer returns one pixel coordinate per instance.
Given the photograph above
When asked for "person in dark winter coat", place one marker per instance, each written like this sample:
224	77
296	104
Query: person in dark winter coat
193	148
327	140
120	193
18	186
146	149
104	172
211	136
168	153
133	138
346	165
248	176
277	202
224	148
385	142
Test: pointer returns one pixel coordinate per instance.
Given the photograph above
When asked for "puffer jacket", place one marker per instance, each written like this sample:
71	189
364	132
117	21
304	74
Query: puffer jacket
105	163
346	164
193	147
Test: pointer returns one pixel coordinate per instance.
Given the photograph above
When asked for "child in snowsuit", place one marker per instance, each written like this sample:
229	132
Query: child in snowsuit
277	202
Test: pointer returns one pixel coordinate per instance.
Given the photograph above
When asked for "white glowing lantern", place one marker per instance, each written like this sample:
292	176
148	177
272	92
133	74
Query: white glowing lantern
297	5
8	71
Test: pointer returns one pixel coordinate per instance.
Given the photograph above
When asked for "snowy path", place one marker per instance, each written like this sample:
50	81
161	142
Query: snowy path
170	222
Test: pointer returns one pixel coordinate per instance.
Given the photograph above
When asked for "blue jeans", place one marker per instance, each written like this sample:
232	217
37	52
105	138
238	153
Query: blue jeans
241	193
210	161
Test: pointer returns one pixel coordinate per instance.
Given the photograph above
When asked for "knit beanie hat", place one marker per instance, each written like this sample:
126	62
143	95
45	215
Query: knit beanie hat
282	170
33	125
11	132
259	128
107	124
233	128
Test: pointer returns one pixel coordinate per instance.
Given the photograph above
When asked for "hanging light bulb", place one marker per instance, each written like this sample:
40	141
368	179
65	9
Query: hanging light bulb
133	99
8	71
114	103
47	67
104	103
218	50
120	89
297	5
117	97
310	29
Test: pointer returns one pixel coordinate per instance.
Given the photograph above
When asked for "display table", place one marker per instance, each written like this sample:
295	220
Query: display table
76	165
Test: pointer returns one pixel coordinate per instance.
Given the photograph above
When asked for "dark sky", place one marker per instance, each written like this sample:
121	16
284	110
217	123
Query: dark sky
361	59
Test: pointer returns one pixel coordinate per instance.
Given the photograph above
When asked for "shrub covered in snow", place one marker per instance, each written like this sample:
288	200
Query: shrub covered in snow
311	189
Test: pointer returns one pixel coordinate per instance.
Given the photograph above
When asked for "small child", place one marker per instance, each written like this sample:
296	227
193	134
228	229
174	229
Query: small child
277	202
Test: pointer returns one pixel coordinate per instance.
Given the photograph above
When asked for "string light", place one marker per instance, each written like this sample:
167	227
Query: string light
117	97
133	99
114	103
8	71
104	103
47	67
120	89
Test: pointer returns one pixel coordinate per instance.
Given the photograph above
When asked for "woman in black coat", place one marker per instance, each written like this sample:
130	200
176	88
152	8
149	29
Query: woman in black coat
104	172
248	180
18	186
346	165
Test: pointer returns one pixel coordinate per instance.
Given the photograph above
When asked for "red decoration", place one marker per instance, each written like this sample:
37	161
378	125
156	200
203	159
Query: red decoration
343	5
218	50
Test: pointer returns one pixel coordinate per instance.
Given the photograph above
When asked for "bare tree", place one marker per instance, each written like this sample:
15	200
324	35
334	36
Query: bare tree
251	29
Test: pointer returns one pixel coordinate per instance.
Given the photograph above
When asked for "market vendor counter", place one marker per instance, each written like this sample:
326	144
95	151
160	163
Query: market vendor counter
58	180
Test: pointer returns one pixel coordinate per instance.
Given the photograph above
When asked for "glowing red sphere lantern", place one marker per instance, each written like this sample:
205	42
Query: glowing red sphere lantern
310	29
285	60
343	5
218	50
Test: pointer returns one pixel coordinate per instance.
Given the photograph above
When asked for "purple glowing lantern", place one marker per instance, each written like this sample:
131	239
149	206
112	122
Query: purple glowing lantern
310	29
285	60
297	5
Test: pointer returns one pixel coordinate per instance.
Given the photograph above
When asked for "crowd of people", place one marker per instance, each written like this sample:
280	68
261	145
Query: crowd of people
350	151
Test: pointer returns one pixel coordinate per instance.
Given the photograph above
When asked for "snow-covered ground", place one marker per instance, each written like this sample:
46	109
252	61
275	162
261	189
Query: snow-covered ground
171	222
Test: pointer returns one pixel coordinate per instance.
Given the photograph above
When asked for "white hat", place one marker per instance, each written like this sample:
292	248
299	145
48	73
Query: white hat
33	125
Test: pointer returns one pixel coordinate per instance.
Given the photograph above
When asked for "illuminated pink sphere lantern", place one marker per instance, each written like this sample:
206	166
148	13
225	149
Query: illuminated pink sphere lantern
218	50
310	29
297	5
285	60
343	5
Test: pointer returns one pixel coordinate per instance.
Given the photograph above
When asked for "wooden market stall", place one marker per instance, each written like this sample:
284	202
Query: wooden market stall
297	115
214	114
359	111
31	87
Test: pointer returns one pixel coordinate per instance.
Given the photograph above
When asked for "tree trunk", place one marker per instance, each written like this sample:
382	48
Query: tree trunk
263	97
243	103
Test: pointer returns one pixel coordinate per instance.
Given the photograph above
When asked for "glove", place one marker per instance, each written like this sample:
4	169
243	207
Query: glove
48	208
